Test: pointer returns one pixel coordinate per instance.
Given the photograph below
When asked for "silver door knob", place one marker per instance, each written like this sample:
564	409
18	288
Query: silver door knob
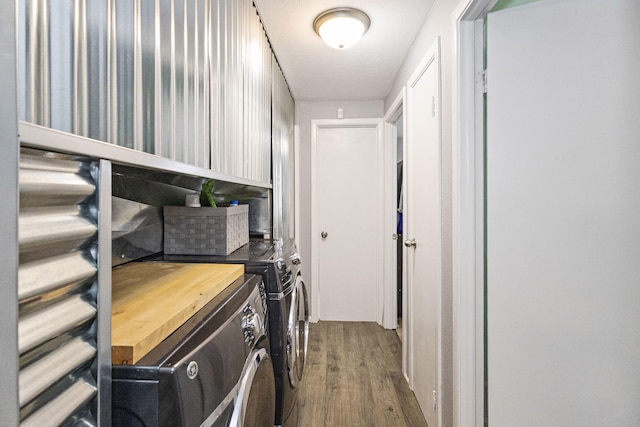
324	234
410	243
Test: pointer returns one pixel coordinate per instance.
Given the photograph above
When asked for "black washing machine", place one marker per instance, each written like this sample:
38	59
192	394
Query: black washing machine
215	370
288	312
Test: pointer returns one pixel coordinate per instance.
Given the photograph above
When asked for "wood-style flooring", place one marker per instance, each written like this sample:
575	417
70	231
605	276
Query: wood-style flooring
353	377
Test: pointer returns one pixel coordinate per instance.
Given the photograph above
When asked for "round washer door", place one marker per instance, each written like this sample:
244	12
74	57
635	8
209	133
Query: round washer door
255	404
297	332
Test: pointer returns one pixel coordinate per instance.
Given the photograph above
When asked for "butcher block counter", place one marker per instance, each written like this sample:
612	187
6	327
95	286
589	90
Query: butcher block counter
150	300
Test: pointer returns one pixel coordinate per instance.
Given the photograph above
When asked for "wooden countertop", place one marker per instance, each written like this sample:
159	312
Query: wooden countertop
150	300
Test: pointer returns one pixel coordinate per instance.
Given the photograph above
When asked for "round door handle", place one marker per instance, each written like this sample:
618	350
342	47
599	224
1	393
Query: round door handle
411	243
324	234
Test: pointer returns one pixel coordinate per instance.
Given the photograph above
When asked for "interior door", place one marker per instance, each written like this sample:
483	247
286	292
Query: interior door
423	233
563	223
348	225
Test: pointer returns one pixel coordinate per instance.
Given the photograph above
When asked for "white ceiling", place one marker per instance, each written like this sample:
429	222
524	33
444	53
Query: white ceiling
316	72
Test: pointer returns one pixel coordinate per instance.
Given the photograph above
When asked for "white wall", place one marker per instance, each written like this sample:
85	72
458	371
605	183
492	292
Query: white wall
305	112
563	196
439	23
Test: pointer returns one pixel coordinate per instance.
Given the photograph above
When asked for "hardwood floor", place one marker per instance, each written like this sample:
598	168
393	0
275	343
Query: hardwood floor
353	377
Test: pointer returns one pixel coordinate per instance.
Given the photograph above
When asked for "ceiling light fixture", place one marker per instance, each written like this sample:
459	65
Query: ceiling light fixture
341	27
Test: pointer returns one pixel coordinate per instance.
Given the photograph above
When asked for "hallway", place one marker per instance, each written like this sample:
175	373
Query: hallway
353	377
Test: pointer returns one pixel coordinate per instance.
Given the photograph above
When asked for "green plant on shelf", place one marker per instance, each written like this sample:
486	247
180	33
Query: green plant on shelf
206	194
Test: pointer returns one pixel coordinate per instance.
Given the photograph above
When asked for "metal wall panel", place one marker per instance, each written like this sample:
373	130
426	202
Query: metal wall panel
283	155
131	73
257	99
96	93
188	80
57	289
227	141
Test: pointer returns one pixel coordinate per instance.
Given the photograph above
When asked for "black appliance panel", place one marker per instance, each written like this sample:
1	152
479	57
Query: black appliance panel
185	378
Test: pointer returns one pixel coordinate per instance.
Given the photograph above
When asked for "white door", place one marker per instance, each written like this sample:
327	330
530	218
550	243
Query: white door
563	214
347	222
423	221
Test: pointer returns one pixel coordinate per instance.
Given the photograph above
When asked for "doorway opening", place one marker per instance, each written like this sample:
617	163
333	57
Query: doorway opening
399	241
395	122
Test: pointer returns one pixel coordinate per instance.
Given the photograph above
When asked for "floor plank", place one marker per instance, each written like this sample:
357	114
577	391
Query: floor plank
353	377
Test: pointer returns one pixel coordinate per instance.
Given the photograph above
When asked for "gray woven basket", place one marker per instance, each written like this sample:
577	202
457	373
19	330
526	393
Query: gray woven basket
205	230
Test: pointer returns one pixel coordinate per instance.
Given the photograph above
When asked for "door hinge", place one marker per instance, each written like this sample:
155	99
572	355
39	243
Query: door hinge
435	400
484	81
481	81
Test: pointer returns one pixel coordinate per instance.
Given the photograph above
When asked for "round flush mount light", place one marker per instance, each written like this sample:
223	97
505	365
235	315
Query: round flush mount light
341	27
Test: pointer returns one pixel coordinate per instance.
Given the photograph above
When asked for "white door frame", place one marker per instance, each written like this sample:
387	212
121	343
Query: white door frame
391	116
381	286
468	214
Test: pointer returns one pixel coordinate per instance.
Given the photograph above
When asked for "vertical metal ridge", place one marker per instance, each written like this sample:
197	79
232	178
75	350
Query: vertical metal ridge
112	74
196	87
80	69
247	38
157	74
138	122
190	69
44	64
174	87
205	17
93	63
38	62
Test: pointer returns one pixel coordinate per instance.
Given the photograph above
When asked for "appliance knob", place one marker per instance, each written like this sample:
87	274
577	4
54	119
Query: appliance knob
192	370
295	259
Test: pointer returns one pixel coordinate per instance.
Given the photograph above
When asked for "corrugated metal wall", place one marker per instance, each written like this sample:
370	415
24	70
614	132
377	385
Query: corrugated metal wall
188	80
57	289
283	156
241	87
257	98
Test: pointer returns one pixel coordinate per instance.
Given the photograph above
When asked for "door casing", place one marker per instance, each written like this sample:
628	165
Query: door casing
381	286
391	304
468	212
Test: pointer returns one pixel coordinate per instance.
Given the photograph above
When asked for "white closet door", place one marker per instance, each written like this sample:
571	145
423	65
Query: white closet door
563	214
349	216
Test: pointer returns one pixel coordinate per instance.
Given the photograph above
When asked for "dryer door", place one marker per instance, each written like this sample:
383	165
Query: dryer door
298	332
255	405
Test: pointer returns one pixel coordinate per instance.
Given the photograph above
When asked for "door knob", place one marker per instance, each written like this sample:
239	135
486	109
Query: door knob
410	243
324	234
